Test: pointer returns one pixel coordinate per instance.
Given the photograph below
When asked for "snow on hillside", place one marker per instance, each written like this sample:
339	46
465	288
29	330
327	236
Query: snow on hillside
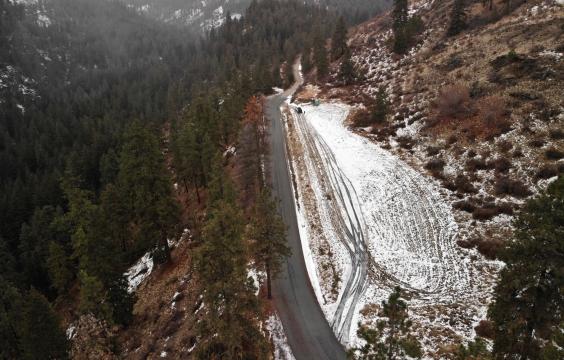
402	223
197	14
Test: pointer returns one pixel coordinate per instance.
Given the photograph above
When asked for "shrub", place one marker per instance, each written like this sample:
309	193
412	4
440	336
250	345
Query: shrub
477	164
362	119
492	109
490	248
435	165
433	150
553	154
485	213
449	184
546	172
464	205
537	143
505	146
405	142
505	208
556	134
464	185
485	329
501	165
454	101
506	186
466	244
518	153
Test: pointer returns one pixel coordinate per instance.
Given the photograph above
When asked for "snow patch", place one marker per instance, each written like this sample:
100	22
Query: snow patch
71	332
282	350
138	272
408	225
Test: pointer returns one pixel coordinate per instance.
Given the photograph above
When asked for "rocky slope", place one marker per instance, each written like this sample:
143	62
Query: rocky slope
482	112
479	114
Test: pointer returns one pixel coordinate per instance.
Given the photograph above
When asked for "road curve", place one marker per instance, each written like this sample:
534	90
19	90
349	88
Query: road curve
309	334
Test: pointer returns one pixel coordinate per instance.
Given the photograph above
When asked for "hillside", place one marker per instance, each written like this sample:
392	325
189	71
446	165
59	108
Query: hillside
281	179
481	112
202	16
479	117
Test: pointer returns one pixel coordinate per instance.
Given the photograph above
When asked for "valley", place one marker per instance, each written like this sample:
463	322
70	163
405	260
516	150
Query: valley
281	179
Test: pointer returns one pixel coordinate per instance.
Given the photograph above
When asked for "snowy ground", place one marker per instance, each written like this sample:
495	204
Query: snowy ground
282	350
383	224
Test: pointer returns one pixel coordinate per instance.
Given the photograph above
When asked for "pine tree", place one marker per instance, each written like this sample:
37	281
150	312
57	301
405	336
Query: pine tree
7	263
41	336
399	26
60	267
34	247
268	234
390	339
93	297
339	40
144	185
10	320
457	18
252	151
400	14
381	106
347	72
320	56
230	328
307	65
121	301
528	309
92	245
474	350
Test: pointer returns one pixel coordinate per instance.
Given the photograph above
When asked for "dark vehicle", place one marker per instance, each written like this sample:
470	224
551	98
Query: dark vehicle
300	111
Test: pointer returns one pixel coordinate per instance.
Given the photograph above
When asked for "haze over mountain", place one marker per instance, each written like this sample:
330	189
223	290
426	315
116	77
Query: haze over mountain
282	179
208	14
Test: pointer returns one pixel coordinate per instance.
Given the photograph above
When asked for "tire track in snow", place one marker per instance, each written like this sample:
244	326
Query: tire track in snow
396	229
350	220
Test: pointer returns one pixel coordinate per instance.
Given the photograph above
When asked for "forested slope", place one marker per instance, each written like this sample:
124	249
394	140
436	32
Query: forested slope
86	88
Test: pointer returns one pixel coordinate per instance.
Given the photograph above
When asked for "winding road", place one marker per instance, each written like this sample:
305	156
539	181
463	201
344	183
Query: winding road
309	334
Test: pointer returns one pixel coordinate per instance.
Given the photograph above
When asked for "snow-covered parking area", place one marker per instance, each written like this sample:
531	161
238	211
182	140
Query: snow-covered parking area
379	223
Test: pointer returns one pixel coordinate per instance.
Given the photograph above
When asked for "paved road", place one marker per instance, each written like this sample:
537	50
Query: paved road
308	332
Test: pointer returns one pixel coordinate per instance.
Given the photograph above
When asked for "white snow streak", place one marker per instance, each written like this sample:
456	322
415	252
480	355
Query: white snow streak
282	350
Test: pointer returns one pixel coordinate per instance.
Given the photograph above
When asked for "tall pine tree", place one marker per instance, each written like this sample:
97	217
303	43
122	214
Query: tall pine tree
347	72
399	26
390	340
457	18
339	40
267	232
41	336
528	304
230	328
320	56
381	106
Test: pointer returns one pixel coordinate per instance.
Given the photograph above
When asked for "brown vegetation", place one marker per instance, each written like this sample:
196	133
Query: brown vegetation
506	186
453	101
